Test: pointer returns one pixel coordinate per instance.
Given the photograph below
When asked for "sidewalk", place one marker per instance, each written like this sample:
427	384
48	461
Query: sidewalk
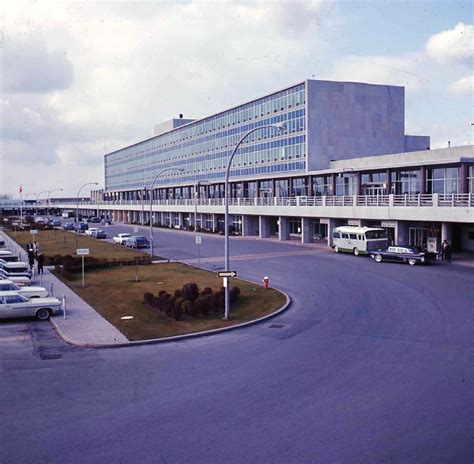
81	325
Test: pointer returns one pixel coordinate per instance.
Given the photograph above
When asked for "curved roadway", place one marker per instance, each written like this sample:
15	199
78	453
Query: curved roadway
372	363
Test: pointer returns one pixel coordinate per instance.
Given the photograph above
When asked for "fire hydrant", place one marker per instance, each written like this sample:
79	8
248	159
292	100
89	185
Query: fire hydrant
266	281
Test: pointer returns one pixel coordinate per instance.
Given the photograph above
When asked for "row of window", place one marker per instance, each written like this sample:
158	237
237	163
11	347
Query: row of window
438	180
264	107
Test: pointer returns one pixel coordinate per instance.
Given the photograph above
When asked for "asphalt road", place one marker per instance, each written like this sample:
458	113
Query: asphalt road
372	363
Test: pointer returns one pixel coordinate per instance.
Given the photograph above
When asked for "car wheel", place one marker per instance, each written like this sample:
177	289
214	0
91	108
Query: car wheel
378	258
355	251
336	249
43	314
411	262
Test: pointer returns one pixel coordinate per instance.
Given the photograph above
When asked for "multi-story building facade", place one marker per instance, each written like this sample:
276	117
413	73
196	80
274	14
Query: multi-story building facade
343	157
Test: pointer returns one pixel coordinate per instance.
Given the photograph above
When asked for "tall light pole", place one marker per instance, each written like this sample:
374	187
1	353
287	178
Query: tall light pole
49	196
151	202
36	202
281	127
78	192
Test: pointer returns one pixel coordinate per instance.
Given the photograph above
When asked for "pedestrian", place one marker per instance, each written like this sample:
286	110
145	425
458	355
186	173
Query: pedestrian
31	259
444	245
36	248
29	247
448	251
40	260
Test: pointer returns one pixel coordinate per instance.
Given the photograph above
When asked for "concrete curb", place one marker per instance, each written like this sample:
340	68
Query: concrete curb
176	338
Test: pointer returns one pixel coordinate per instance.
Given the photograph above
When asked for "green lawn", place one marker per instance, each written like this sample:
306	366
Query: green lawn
60	242
114	293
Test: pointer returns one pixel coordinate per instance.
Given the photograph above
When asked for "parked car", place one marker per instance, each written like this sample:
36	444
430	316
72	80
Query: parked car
2	243
28	292
403	254
121	238
56	223
69	226
137	241
90	231
81	227
99	234
94	220
14	305
21	281
8	256
20	268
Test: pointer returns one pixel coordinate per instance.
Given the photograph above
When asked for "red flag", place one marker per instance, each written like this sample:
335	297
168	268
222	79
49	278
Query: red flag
21	189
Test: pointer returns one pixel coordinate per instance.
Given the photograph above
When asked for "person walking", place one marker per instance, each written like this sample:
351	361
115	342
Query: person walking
36	248
31	259
448	251
40	261
444	246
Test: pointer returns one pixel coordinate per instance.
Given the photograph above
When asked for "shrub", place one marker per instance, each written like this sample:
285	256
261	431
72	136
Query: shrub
177	293
188	308
206	291
190	292
148	298
177	313
234	294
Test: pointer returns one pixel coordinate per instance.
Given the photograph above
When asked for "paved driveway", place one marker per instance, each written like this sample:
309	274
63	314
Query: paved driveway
372	363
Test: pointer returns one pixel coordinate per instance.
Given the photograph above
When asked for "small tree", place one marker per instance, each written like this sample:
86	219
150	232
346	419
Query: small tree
190	292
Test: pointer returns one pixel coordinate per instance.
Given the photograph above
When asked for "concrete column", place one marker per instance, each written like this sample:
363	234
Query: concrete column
331	224
284	228
422	180
401	233
388	182
249	225
463	182
307	230
264	226
447	232
180	215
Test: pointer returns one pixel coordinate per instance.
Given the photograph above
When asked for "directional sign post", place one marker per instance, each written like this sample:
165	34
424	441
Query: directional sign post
227	273
82	252
33	231
198	243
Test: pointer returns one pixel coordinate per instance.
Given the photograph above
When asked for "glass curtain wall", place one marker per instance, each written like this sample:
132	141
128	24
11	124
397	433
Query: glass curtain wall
406	182
322	186
443	180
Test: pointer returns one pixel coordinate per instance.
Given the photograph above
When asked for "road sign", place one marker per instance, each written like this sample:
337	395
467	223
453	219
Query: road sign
198	239
82	251
135	230
33	231
227	273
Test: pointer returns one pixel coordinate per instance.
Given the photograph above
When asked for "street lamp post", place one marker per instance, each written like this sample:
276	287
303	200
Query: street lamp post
48	204
280	127
151	202
78	192
36	201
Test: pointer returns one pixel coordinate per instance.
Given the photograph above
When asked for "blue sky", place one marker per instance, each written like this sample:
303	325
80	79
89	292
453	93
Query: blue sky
81	79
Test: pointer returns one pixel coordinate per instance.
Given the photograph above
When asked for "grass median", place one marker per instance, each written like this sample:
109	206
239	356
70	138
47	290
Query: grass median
115	293
61	242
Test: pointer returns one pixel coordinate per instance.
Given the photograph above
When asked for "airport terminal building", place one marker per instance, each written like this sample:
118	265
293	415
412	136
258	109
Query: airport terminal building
342	158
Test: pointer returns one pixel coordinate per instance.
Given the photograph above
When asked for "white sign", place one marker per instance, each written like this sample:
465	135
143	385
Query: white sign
354	222
198	239
33	231
388	224
82	251
135	230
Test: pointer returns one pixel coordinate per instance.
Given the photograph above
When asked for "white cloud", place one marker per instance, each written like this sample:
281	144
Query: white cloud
407	70
464	86
454	45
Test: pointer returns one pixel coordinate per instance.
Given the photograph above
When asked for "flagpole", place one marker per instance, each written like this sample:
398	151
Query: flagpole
21	206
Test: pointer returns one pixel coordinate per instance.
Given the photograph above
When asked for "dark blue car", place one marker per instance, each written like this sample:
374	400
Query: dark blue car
136	241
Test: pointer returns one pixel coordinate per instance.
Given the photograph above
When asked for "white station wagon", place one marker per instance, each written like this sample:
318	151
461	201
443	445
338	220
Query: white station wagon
13	305
121	238
28	292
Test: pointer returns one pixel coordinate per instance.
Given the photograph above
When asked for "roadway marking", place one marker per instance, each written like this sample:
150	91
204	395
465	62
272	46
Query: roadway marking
281	254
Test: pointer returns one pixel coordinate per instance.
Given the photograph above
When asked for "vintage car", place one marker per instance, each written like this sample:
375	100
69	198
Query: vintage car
28	292
8	269
121	238
99	233
136	241
14	305
90	231
403	254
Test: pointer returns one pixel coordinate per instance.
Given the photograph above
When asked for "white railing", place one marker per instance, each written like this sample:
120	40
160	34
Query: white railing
407	200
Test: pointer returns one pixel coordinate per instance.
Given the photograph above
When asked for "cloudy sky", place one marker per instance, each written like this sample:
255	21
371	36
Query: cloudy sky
81	79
